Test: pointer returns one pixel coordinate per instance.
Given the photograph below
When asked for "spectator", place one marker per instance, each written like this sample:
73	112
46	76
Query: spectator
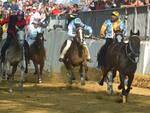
101	5
56	10
14	6
92	5
85	8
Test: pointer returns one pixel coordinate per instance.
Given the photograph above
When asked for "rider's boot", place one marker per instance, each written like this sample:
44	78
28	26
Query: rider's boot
64	51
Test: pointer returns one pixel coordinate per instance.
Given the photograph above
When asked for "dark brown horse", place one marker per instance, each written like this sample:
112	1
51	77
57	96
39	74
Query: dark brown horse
122	57
37	55
76	56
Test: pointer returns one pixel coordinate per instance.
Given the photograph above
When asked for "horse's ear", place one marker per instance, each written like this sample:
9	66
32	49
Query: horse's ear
138	33
131	32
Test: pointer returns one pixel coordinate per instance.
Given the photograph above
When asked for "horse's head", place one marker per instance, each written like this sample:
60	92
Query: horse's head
80	35
119	36
134	45
40	38
21	36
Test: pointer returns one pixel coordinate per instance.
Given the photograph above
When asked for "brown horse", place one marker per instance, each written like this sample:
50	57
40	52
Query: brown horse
37	55
76	56
122	57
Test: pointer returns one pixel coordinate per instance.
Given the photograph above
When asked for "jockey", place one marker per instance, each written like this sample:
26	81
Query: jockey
33	29
76	22
15	22
21	22
111	25
108	31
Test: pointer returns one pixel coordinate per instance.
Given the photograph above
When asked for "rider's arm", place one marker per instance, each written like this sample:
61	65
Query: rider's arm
70	30
103	30
123	27
89	29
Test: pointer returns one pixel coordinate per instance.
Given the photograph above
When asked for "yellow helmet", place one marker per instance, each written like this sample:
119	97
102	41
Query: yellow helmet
116	13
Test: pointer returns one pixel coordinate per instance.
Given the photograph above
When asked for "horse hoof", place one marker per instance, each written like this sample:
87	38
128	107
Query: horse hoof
73	78
26	71
86	78
70	82
82	81
100	83
110	92
124	99
10	90
35	73
40	81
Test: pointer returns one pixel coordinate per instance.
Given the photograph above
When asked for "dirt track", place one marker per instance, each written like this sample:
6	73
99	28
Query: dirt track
54	97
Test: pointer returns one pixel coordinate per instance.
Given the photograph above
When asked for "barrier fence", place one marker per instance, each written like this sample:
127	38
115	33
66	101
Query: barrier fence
136	18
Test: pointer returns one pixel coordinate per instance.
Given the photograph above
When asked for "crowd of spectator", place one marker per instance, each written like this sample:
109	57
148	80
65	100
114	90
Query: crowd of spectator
108	4
34	9
42	9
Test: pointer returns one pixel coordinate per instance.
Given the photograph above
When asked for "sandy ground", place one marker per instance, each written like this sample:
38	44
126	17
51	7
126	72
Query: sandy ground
53	96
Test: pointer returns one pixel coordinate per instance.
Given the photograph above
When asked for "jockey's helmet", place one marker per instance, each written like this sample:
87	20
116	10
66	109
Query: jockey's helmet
116	13
78	22
73	15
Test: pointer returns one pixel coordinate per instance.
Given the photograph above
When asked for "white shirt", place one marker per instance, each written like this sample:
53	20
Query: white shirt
35	16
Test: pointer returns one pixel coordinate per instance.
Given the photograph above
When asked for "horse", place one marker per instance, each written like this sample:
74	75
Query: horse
122	57
14	55
37	54
1	33
76	56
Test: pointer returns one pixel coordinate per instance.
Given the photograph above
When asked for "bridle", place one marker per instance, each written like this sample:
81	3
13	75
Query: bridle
118	34
132	55
80	35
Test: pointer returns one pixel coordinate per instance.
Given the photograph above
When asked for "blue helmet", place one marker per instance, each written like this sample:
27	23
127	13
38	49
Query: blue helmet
78	22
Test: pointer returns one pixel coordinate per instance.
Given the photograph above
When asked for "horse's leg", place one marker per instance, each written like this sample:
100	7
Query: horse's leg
37	69
86	70
41	71
114	74
120	85
11	77
109	82
82	74
5	70
124	94
105	71
130	79
1	71
22	78
26	62
70	73
26	51
70	76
